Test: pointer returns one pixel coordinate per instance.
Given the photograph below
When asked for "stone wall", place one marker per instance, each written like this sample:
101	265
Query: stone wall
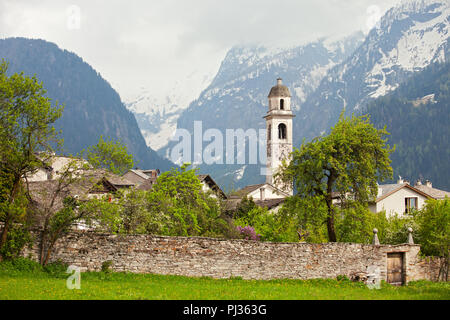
220	258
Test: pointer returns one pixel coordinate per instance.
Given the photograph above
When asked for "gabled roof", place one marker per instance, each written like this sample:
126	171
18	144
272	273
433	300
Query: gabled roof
202	177
388	189
249	189
270	203
232	203
118	181
109	181
246	190
206	178
140	174
433	192
139	177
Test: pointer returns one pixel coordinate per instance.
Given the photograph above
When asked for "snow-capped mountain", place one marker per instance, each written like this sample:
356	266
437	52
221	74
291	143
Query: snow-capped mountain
408	38
237	97
157	114
323	77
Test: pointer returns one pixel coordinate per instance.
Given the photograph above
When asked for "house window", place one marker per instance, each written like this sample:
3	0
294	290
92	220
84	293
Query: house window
282	132
282	104
411	204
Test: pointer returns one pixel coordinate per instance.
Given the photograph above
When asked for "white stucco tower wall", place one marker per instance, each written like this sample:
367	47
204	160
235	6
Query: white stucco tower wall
279	132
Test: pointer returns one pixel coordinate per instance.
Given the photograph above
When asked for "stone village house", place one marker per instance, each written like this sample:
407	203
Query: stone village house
401	198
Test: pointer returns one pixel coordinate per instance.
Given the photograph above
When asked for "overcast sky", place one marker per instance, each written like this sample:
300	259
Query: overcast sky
151	44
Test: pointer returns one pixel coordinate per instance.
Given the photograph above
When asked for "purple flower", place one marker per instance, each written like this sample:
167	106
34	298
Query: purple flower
249	233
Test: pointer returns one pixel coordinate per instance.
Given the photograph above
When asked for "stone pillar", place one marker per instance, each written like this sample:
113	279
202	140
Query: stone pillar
375	241
410	237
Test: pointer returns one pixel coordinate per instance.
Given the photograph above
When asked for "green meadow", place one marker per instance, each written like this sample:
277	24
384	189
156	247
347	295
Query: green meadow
35	283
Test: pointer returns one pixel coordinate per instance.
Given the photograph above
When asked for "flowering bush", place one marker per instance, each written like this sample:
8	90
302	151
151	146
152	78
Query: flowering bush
248	233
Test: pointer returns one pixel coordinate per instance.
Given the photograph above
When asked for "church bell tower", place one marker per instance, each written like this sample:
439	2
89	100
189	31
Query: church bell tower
279	132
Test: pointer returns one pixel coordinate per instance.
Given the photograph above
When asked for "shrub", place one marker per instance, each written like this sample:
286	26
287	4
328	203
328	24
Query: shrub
21	265
106	266
342	277
57	269
18	237
248	233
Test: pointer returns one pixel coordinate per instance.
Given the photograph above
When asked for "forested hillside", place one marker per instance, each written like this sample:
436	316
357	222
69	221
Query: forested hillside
92	107
417	116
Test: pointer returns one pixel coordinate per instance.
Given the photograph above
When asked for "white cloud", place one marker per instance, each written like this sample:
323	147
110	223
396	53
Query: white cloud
152	44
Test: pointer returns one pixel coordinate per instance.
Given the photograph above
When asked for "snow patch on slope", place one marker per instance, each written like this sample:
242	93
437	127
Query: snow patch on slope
419	46
157	113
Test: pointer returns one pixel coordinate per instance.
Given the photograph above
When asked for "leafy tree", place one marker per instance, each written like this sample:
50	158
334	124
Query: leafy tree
178	206
304	219
281	226
356	222
350	160
434	232
394	229
111	155
18	237
246	210
58	224
102	214
26	128
175	199
134	212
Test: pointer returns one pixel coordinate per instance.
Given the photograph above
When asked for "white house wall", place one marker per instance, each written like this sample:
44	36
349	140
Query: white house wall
206	188
58	164
395	203
269	193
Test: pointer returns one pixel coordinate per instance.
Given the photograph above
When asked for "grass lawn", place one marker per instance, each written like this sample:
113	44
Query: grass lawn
36	285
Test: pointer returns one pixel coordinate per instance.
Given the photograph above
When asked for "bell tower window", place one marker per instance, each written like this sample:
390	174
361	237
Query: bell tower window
282	132
282	104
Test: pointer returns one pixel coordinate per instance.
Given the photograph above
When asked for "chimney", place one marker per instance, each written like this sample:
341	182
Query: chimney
279	81
429	184
400	180
262	192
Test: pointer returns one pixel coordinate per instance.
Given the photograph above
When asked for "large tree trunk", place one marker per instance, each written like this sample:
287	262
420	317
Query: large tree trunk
42	246
4	232
49	252
8	220
51	244
443	269
330	220
43	243
331	231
